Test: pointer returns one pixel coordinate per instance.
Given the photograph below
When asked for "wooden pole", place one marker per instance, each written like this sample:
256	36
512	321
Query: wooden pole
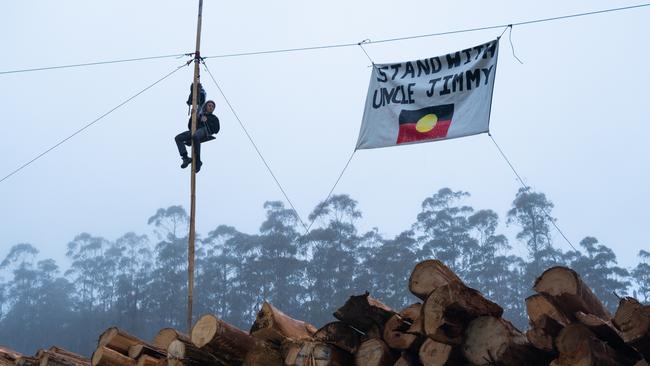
190	249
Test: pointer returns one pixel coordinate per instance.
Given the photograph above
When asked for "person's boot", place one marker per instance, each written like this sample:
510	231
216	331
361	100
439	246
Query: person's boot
186	161
198	165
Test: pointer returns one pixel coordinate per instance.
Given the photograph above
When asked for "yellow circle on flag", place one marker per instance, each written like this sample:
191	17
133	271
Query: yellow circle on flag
426	123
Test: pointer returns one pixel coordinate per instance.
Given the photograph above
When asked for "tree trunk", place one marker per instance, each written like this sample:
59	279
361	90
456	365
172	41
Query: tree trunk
608	333
340	335
146	349
434	353
364	312
146	360
374	352
274	326
578	345
542	334
428	276
189	354
317	354
166	336
569	292
395	333
263	354
491	340
408	359
8	356
540	306
224	341
26	361
449	309
546	321
633	320
65	358
118	340
105	356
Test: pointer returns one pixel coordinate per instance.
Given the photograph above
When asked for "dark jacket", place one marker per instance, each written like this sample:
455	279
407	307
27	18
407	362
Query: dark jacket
212	123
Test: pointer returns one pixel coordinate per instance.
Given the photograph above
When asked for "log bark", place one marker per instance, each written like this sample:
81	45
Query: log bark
118	340
606	331
569	292
263	354
69	354
433	353
65	358
449	308
542	334
8	356
341	335
396	333
578	345
222	340
408	358
105	356
491	340
541	306
429	275
146	349
274	326
166	336
26	361
374	352
317	354
190	354
146	360
633	320
546	321
364	313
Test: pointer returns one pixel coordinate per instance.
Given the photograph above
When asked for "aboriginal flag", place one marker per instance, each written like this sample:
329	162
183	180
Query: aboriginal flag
428	123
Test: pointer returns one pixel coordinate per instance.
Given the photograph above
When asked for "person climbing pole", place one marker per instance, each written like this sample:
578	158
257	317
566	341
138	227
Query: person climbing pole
207	124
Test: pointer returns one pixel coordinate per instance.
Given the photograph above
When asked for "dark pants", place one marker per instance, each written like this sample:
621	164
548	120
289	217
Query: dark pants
182	138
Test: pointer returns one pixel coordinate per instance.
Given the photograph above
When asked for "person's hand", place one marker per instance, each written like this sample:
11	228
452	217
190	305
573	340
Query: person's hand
204	119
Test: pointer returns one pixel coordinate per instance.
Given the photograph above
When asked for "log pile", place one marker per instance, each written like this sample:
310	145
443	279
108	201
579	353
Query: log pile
55	356
570	323
451	325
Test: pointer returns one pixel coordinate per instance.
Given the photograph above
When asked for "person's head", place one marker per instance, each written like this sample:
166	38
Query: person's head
209	106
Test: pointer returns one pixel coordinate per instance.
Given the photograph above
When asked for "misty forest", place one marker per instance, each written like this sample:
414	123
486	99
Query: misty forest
139	283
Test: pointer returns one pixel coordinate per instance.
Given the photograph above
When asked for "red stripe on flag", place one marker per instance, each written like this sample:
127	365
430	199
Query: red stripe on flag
408	133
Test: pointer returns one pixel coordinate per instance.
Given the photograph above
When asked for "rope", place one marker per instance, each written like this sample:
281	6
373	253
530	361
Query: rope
88	125
430	34
512	46
334	186
91	64
548	216
259	153
344	44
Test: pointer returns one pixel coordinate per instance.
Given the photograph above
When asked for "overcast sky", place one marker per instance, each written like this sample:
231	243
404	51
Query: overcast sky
572	118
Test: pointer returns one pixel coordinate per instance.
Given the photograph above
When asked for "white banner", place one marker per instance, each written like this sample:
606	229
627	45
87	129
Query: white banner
431	99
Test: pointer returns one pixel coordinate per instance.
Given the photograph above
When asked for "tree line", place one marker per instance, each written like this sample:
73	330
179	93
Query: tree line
139	283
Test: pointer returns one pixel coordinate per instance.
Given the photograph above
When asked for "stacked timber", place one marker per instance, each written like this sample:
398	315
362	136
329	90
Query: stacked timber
116	347
8	357
569	323
451	325
55	356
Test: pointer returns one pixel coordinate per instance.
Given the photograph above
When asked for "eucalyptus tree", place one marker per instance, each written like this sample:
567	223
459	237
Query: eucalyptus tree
281	271
331	248
597	267
167	289
385	268
531	211
641	275
444	230
134	260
